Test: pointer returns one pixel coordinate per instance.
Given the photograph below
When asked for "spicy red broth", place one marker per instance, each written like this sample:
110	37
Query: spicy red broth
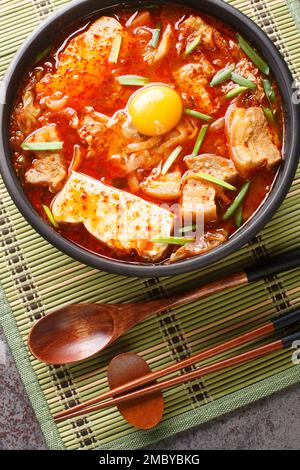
167	105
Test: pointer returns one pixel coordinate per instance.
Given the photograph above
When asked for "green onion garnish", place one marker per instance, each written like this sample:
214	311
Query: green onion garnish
200	139
171	159
236	91
253	55
237	202
42	54
269	115
115	49
174	240
190	47
155	36
133	80
188	228
196	114
238	218
222	75
270	93
42	146
50	216
213	179
235	77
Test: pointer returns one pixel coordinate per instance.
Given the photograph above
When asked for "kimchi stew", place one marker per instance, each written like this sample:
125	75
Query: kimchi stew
148	136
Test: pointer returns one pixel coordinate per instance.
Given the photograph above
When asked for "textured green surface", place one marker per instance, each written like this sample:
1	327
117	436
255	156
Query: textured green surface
37	278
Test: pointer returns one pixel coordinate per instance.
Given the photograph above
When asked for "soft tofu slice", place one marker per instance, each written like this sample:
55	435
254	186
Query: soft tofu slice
166	187
49	168
194	27
120	220
192	81
83	64
198	200
247	69
250	139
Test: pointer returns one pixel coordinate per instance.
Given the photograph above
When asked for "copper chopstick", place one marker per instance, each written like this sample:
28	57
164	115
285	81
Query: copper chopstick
269	327
240	359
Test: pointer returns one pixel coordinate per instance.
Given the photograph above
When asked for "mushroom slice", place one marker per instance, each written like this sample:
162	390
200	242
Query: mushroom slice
49	168
250	139
207	242
154	56
92	131
165	187
141	18
219	167
48	171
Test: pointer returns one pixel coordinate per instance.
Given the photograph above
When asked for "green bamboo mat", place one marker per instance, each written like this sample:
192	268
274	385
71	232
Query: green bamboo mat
37	278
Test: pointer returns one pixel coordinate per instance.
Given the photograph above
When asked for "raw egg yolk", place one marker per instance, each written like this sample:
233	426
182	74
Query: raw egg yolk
155	110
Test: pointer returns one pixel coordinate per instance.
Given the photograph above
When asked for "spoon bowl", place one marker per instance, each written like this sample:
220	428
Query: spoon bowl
72	333
78	331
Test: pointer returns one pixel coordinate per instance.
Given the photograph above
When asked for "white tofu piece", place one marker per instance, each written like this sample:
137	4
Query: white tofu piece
120	220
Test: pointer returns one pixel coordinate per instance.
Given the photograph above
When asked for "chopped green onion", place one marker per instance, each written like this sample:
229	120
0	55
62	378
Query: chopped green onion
50	216
42	146
133	80
237	202
171	159
242	80
190	47
270	93
200	139
238	218
155	36
196	114
253	55
213	179
236	91
115	49
188	228
42	54
174	240
222	76
269	115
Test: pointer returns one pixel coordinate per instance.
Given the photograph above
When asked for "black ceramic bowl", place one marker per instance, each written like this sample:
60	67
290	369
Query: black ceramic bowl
77	9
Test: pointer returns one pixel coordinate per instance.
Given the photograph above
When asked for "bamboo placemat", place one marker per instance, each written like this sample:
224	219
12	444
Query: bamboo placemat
37	278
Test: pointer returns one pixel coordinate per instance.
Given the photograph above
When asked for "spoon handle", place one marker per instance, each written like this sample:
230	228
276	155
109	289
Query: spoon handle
271	267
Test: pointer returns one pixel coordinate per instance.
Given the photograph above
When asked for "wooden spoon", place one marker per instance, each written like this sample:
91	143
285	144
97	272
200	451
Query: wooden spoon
144	412
78	331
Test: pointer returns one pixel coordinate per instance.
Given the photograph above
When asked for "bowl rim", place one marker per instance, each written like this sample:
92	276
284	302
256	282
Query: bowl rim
284	178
